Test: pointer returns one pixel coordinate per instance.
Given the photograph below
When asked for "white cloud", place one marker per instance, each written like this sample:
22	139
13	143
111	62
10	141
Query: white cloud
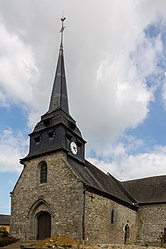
164	91
93	46
12	148
18	71
120	97
112	93
107	57
124	165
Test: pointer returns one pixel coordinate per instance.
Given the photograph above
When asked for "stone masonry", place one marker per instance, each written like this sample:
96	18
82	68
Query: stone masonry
61	196
152	223
99	227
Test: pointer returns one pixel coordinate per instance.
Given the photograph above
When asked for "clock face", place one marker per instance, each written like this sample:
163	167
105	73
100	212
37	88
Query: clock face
73	148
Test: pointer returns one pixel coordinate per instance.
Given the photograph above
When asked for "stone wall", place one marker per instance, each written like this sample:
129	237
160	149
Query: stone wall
61	196
152	221
98	225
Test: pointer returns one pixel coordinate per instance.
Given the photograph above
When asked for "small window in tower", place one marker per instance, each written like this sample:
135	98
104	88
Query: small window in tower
72	125
37	139
68	136
47	121
43	172
112	216
78	143
51	134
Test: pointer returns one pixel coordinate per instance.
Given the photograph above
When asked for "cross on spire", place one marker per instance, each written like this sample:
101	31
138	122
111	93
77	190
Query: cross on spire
62	30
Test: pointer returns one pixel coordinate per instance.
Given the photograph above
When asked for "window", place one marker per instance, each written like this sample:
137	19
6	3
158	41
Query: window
43	172
37	139
51	134
47	121
112	216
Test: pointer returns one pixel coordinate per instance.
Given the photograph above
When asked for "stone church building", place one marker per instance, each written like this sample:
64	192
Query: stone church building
60	192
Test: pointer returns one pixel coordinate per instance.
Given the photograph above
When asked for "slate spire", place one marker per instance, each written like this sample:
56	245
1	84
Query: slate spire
59	98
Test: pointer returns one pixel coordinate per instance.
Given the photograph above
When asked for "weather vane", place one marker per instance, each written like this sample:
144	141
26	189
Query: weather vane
62	29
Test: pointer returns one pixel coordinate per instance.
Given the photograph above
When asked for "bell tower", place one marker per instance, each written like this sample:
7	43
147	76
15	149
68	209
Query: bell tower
57	130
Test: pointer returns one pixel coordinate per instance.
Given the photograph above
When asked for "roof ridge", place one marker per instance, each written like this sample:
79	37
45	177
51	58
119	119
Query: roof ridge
144	178
124	190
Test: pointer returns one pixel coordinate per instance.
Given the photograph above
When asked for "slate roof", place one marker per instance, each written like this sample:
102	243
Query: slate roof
59	98
4	219
131	193
148	190
104	184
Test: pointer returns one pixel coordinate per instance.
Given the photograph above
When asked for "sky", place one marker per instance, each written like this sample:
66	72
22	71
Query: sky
115	60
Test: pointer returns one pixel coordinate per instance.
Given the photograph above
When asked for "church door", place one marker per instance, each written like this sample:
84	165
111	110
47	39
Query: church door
126	234
164	236
44	225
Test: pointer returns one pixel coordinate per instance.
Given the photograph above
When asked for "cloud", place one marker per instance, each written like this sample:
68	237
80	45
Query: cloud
18	72
120	96
12	147
112	91
164	91
124	165
105	48
108	58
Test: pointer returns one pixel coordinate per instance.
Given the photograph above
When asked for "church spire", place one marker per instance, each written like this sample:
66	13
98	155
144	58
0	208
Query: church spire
57	130
59	99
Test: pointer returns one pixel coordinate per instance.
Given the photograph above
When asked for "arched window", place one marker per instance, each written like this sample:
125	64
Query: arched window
43	172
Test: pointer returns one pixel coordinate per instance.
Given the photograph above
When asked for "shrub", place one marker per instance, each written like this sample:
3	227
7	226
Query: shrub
4	241
3	232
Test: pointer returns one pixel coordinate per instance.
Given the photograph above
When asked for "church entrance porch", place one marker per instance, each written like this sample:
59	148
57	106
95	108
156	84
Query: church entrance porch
43	225
40	220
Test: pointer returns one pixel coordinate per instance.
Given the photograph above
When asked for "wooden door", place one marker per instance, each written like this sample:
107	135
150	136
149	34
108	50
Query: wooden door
164	236
126	235
44	225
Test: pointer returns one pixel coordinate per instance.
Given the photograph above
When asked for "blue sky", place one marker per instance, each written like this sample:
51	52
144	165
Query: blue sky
115	67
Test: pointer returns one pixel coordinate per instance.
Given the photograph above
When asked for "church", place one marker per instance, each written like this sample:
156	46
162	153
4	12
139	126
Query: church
60	192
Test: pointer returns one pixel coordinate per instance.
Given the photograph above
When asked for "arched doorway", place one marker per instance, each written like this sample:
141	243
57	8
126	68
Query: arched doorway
43	225
126	233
